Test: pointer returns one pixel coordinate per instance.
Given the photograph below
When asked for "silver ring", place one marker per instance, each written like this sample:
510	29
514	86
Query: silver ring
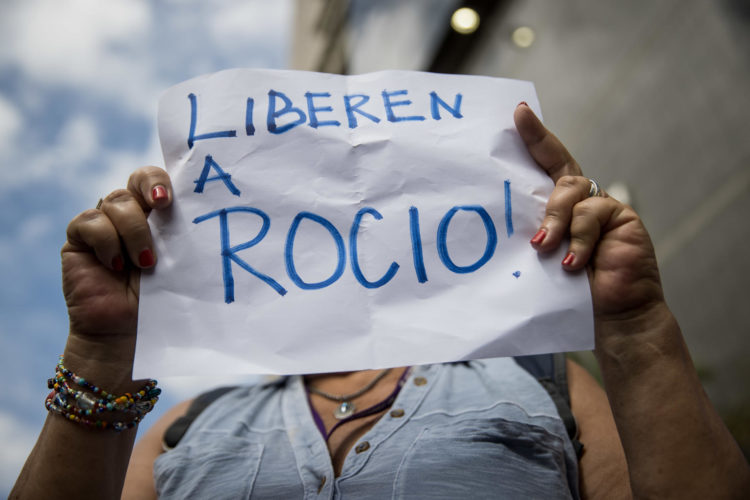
595	189
99	203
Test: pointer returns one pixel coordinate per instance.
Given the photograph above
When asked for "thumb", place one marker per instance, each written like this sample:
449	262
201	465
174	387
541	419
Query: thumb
544	147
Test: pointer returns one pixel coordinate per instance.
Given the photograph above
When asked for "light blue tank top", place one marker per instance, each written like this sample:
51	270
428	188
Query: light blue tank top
481	429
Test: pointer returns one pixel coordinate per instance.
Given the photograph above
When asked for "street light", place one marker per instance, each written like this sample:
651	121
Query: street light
465	20
523	37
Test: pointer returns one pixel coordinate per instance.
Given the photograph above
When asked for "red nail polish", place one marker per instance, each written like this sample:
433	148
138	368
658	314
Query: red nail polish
159	193
146	258
568	260
522	103
117	263
539	237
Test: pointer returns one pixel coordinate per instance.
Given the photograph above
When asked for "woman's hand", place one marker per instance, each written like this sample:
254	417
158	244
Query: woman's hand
605	234
101	262
105	251
652	387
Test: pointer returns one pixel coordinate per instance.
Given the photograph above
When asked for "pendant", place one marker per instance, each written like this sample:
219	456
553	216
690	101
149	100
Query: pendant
345	409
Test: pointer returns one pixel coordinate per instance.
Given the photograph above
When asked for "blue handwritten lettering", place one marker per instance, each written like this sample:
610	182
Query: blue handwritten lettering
354	108
312	111
228	253
288	108
200	183
416	245
442	245
389	105
249	127
289	251
455	110
194	118
354	256
508	210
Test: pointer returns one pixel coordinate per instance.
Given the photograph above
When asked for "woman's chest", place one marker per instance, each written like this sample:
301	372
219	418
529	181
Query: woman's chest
427	444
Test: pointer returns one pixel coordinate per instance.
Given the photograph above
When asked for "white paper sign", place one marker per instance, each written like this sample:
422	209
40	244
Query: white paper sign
331	223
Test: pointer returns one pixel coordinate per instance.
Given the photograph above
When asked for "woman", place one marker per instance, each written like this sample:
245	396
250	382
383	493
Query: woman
661	438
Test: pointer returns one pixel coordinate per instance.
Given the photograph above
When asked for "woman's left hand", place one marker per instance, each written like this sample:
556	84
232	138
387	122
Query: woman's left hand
605	235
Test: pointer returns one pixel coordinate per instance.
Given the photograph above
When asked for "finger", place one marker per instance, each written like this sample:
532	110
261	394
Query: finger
544	147
569	190
589	217
92	230
127	216
151	188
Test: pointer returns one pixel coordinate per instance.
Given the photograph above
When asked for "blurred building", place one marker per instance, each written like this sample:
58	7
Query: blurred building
647	95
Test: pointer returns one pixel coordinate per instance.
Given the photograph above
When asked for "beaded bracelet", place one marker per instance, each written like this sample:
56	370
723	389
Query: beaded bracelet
53	404
140	401
76	405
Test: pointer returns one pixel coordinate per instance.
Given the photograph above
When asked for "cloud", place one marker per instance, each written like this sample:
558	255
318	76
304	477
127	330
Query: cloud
72	41
10	122
78	139
77	162
60	163
118	165
34	228
99	48
18	438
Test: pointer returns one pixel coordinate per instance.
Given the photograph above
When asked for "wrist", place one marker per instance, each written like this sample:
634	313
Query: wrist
639	339
85	402
107	360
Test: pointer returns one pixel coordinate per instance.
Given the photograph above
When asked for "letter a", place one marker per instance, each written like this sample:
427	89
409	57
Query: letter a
222	176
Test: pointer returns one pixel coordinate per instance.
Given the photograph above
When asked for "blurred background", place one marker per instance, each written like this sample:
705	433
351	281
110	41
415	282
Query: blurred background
650	97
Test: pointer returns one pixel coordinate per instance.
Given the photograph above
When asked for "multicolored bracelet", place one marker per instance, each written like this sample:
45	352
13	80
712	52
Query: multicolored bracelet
55	405
77	405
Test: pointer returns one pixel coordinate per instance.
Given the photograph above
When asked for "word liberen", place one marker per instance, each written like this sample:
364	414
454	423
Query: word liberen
281	108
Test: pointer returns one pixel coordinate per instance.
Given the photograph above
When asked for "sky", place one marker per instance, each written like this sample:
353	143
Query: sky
79	86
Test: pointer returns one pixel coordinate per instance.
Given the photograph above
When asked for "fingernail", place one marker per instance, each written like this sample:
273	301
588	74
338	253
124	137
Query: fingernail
539	237
146	258
117	263
159	193
568	260
522	103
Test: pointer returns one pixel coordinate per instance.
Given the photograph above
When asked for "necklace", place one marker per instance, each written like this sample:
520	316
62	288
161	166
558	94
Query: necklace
347	407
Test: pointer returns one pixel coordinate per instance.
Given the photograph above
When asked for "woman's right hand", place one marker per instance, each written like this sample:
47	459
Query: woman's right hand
106	249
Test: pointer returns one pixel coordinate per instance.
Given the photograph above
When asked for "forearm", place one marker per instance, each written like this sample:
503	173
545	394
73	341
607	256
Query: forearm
71	460
675	443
